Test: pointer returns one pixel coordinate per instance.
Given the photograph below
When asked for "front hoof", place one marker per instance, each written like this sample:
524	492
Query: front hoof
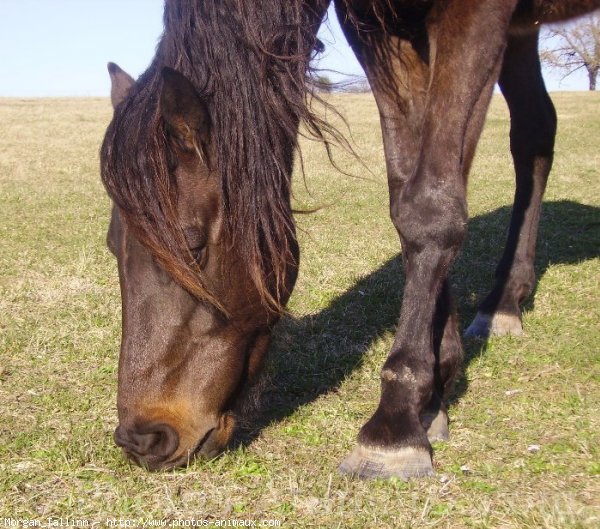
404	463
499	324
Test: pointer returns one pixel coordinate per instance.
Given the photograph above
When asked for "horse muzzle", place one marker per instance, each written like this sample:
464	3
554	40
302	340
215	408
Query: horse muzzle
158	446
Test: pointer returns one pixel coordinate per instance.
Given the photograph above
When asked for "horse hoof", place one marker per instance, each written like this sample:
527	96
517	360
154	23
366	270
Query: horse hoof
404	463
436	426
499	324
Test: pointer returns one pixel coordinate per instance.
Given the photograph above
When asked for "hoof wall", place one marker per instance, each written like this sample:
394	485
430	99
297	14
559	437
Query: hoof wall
404	463
436	426
499	324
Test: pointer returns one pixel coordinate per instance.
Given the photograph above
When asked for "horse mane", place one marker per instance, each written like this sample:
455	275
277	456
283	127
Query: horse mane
250	62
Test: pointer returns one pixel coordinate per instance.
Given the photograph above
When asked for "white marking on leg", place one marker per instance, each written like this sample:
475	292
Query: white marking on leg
406	375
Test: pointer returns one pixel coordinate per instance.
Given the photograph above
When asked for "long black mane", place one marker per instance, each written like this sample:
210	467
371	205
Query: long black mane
250	61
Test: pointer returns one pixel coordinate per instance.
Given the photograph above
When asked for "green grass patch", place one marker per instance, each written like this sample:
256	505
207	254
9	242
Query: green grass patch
60	333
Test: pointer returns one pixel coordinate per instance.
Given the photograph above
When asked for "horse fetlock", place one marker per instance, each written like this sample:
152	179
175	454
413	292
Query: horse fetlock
497	324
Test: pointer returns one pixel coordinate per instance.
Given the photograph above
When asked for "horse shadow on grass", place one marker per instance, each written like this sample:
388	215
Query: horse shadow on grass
313	354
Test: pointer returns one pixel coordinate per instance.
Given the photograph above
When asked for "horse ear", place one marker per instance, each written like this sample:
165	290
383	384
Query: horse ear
183	109
121	83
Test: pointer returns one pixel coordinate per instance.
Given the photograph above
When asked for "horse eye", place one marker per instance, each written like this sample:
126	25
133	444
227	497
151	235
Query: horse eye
200	256
196	240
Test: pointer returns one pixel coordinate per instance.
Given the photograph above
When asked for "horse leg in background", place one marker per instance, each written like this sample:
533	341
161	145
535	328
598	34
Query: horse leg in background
533	127
401	100
467	40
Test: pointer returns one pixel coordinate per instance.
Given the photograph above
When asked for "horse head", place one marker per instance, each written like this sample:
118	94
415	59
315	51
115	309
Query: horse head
188	349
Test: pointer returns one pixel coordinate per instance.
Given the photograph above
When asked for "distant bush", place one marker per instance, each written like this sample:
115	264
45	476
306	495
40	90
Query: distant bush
324	83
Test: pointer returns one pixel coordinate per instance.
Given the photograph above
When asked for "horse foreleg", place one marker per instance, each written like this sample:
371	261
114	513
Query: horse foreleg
467	39
533	127
398	72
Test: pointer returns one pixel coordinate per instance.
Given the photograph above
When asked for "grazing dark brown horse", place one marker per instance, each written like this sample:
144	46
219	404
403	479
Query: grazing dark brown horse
198	161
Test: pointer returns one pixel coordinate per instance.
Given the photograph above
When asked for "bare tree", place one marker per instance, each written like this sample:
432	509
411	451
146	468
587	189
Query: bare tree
575	46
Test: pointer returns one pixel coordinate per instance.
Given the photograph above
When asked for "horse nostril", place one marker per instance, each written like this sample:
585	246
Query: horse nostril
155	440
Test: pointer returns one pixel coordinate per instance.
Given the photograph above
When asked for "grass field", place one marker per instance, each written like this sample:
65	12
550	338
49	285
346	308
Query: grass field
60	335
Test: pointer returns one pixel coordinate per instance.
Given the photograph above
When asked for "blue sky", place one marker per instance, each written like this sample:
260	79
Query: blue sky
61	47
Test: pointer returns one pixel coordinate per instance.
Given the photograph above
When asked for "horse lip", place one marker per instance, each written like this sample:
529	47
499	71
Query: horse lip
202	442
151	463
189	455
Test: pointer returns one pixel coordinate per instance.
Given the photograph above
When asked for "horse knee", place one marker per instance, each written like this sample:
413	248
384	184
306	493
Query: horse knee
432	221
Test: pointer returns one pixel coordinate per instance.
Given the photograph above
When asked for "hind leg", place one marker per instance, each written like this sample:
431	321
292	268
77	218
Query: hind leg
533	127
